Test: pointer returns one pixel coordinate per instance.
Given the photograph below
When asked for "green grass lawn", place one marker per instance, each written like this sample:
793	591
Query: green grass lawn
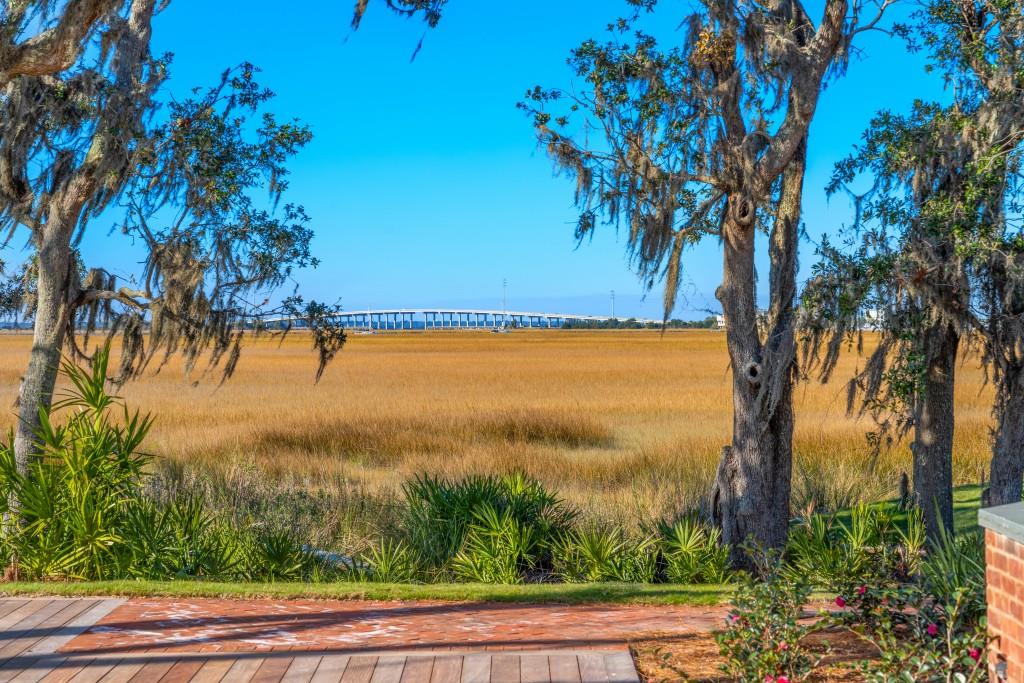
966	501
572	593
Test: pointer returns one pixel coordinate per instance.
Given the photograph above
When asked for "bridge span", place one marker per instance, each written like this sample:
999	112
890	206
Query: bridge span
461	318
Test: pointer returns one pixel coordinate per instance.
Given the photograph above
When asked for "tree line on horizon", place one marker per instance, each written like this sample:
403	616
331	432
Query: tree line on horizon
704	138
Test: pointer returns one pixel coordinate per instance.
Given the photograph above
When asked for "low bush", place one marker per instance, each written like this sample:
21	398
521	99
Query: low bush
390	562
764	637
869	548
80	511
439	514
931	629
601	554
498	548
694	553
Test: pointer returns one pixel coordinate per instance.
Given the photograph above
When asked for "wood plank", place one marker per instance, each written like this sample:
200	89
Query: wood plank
35	669
331	669
153	671
534	669
10	619
476	668
447	669
564	668
592	669
183	671
418	669
621	668
388	670
359	669
243	669
28	618
67	670
213	671
8	606
75	627
504	668
302	669
36	627
123	672
272	670
96	670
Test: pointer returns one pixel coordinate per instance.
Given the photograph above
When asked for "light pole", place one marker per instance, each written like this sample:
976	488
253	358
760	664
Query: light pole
613	304
504	291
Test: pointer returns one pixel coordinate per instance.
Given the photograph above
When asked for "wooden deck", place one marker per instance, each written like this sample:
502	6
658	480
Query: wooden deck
34	631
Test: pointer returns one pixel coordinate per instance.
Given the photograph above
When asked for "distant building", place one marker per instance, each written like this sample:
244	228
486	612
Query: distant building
872	319
719	322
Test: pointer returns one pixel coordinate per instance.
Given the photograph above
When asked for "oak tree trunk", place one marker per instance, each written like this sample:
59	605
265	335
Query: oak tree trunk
54	285
749	499
932	447
1007	468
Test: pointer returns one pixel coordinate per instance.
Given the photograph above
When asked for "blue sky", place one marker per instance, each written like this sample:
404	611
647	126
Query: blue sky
424	181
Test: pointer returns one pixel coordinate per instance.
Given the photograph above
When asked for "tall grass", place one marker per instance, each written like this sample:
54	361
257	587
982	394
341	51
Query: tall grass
626	425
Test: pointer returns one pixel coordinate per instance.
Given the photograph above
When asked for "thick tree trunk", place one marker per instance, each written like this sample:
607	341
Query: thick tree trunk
54	289
932	447
1007	470
749	499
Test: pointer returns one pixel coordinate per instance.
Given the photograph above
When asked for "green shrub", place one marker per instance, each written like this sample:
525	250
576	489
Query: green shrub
439	513
276	555
842	556
956	564
694	553
764	640
391	562
82	512
603	554
932	629
498	548
74	502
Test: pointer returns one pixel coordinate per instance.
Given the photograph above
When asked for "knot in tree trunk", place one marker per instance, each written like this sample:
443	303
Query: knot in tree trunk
752	371
741	210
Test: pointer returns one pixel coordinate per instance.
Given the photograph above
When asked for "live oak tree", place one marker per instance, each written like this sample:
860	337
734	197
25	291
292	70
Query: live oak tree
90	134
45	37
941	261
981	45
909	272
709	139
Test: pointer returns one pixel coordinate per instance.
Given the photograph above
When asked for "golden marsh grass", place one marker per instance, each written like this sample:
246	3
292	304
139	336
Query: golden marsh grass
627	425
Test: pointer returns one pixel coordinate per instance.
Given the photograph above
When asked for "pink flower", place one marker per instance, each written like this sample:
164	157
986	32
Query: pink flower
783	646
769	679
933	629
840	602
974	653
783	678
862	590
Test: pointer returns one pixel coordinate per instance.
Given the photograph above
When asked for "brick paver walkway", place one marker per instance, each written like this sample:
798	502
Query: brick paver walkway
211	625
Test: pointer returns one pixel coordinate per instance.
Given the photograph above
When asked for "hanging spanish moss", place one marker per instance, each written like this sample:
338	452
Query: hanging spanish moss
88	127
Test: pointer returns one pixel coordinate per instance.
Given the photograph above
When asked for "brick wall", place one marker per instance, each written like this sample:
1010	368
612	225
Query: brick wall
1004	559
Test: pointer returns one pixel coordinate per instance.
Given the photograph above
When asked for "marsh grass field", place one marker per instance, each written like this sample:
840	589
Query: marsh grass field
625	425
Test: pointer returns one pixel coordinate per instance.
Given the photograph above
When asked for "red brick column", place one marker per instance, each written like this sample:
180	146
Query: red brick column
1004	593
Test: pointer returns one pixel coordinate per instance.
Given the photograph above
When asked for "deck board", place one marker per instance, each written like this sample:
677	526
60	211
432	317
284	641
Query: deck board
331	669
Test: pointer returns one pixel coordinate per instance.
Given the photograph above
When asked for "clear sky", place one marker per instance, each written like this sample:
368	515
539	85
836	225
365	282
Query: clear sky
424	181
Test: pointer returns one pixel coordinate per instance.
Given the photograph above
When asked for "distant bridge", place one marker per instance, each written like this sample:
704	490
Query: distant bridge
460	318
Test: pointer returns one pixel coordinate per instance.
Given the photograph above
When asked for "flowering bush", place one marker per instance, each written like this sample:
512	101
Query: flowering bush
920	637
932	630
764	639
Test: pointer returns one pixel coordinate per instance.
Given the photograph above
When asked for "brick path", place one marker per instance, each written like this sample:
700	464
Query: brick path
356	626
